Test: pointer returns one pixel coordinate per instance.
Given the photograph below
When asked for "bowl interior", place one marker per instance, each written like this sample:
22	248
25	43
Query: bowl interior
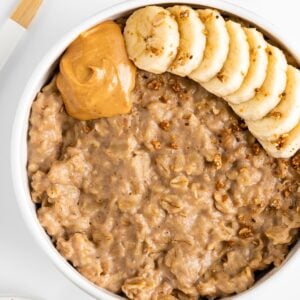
42	75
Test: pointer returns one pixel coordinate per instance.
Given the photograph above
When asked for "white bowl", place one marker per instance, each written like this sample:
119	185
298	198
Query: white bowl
19	137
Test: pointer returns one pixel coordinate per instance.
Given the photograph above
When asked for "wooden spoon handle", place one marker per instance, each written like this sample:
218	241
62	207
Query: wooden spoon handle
25	11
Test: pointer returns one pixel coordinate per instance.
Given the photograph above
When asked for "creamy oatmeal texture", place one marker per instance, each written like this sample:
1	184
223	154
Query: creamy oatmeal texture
173	201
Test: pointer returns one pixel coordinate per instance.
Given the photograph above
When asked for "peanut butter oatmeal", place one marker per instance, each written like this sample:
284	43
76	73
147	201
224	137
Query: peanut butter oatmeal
175	200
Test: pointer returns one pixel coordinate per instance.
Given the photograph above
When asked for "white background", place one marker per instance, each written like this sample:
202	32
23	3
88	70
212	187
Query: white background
24	269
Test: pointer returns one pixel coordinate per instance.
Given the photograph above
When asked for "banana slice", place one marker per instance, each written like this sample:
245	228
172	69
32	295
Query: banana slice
152	38
257	70
285	146
217	46
191	42
269	95
231	77
285	116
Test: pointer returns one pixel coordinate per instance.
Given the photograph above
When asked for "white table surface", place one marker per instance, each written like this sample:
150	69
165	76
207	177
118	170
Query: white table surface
24	269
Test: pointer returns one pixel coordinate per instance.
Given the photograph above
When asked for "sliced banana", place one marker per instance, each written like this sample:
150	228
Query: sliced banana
285	146
285	116
269	95
231	77
152	38
192	40
257	70
217	46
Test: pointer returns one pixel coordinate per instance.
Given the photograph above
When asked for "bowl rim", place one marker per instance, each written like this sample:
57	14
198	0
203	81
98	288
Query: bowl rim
19	132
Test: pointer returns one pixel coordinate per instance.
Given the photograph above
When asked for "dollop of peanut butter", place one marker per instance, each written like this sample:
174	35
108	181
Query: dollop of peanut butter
96	75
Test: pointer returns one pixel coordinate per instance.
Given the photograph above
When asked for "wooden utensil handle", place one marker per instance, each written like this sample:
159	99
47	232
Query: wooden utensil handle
25	11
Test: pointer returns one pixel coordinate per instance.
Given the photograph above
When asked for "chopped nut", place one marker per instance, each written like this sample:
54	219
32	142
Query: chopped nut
163	99
295	162
184	14
217	161
275	203
276	115
242	219
219	185
164	125
176	87
221	77
238	126
256	149
280	142
245	233
154	84
155	51
173	145
156	144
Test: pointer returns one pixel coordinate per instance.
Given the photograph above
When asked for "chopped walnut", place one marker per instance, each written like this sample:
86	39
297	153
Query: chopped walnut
275	203
256	149
184	14
155	51
238	126
295	162
176	87
221	77
154	84
156	144
288	190
245	232
275	115
164	125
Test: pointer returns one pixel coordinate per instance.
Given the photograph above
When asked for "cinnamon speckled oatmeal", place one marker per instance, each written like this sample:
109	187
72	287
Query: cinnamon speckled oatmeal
175	200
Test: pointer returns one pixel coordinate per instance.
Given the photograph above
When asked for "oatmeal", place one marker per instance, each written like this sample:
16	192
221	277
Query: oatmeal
175	200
